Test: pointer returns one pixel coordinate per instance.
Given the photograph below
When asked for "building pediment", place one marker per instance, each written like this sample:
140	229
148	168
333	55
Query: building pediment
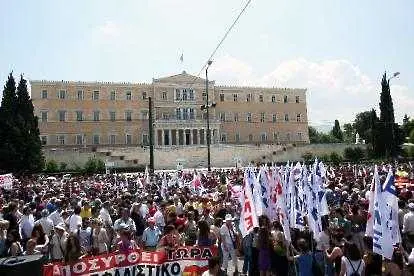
182	79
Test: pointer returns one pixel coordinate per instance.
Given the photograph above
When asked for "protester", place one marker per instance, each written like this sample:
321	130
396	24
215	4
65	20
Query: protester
58	242
228	243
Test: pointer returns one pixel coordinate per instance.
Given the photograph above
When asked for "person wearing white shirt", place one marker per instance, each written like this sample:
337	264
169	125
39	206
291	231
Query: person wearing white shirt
159	218
213	267
55	216
47	223
125	219
144	210
26	224
228	240
104	214
58	242
179	208
75	220
408	226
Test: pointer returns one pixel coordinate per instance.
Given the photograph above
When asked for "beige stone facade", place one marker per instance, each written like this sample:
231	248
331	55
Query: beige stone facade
95	114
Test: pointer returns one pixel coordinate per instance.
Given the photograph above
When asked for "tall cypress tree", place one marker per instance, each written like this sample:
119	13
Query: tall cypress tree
337	132
8	128
387	120
31	154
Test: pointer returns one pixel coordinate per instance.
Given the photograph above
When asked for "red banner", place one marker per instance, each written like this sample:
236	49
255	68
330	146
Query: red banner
189	260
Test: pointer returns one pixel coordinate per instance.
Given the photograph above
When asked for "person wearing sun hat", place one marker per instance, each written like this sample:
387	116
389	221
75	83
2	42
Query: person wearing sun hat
228	242
58	242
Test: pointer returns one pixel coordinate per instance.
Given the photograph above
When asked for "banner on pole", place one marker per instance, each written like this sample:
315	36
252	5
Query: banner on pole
187	260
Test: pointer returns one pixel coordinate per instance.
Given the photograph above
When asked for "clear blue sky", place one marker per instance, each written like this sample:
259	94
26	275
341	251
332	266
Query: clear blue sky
337	49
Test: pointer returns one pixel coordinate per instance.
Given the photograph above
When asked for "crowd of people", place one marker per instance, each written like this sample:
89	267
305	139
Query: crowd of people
68	218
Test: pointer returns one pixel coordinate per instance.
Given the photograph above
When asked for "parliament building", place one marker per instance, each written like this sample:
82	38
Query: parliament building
78	114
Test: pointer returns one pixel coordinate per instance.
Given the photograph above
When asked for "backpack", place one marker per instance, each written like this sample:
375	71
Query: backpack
355	271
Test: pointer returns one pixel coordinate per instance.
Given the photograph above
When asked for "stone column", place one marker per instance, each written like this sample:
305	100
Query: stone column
170	137
198	137
155	137
191	136
176	138
162	138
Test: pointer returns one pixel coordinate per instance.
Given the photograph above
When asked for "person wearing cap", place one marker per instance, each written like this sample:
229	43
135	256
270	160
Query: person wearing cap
228	243
151	235
45	222
408	226
58	242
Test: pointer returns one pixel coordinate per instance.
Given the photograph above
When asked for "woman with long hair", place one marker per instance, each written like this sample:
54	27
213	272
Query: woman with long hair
135	215
206	237
264	245
13	246
352	261
42	240
73	250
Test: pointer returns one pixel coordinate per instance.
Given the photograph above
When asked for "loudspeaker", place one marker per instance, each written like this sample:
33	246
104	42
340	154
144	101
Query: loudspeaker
23	265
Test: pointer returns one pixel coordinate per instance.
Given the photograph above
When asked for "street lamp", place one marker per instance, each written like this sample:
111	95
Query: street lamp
208	120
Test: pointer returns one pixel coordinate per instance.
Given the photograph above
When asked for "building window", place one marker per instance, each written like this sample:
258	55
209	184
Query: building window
262	117
112	116
112	139
128	139
263	137
60	139
44	94
62	116
191	94
184	95
43	116
192	114
43	140
223	138
145	139
165	116
96	139
275	136
112	96
204	95
274	118
185	113
285	99
236	117
298	119
222	117
297	99
249	117
144	95
177	94
237	137
299	136
273	98
79	116
249	97
286	117
164	95
96	115
95	95
80	95
128	116
144	115
79	139
221	97
62	94
235	97
178	113
250	137
261	98
128	95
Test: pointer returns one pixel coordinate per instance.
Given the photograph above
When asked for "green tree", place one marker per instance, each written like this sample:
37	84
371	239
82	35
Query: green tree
349	133
362	125
337	132
9	131
335	158
313	135
29	138
387	142
354	154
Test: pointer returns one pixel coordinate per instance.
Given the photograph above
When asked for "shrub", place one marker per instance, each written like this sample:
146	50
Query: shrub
307	157
335	158
94	165
63	166
51	166
354	154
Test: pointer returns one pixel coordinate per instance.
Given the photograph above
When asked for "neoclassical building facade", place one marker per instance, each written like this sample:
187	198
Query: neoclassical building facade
94	114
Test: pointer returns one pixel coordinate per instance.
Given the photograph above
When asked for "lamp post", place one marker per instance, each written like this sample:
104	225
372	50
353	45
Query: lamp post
396	74
208	120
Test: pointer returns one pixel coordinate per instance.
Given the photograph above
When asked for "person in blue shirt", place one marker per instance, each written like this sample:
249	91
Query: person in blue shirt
151	235
304	259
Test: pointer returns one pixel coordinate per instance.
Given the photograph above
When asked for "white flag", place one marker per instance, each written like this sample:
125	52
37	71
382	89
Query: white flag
6	181
248	217
369	230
